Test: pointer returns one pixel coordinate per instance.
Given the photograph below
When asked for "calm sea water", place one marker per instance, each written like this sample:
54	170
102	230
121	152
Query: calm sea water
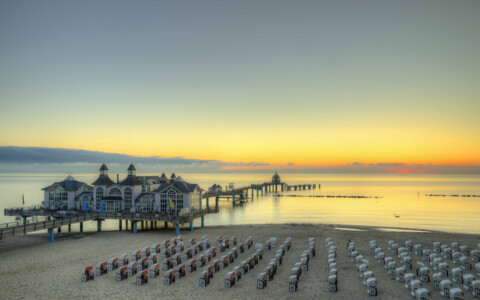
403	195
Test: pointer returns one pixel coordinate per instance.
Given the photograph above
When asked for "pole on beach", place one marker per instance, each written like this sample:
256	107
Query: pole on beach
99	225
81	226
177	230
191	226
50	234
203	222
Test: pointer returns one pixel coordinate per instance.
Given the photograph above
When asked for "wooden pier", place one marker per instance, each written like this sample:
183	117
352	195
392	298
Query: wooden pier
56	219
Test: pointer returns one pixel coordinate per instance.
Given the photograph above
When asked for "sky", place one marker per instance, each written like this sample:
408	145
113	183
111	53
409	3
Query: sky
246	84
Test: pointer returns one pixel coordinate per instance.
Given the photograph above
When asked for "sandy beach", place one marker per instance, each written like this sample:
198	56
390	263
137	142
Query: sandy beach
32	267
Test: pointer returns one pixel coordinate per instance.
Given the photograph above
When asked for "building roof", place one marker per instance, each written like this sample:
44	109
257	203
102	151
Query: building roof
182	186
144	179
145	194
131	180
103	167
103	180
90	194
131	168
163	176
215	186
68	184
173	176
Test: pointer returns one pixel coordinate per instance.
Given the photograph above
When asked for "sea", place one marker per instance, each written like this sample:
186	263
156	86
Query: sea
390	202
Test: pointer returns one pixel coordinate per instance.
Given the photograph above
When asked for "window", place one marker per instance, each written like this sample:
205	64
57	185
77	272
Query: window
145	204
177	200
128	198
115	191
163	202
58	198
98	197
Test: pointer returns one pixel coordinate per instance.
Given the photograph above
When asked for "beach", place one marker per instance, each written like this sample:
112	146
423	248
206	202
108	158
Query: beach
32	267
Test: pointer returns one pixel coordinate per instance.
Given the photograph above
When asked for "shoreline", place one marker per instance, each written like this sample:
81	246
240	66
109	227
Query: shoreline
33	267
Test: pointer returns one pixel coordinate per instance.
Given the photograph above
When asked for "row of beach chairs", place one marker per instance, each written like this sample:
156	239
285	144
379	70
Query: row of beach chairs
271	269
369	280
301	266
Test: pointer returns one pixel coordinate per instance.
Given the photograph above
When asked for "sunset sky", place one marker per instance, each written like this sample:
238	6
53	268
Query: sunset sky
293	84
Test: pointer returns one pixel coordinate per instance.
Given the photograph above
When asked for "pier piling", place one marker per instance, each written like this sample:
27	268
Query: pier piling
50	234
166	224
120	225
81	226
191	226
134	226
203	222
99	225
177	230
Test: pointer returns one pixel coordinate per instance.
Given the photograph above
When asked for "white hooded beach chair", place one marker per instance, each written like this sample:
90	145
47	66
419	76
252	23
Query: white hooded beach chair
88	273
418	249
422	294
102	268
332	283
169	277
400	274
372	286
262	280
123	260
122	273
113	263
457	276
293	283
154	270
414	286
142	277
467	281
408	279
445	286
476	288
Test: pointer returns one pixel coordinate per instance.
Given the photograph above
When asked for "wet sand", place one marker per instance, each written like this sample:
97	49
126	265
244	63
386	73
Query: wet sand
32	267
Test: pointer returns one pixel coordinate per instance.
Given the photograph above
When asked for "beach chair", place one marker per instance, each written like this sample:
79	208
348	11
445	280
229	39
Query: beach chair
187	253
332	283
251	262
204	279
102	268
224	260
154	270
288	243
292	283
192	242
279	258
143	264
142	277
244	267
445	286
123	260
201	260
268	245
415	284
181	246
464	263
229	279
249	242
331	261
297	271
456	294
350	249
409	245
216	265
231	256
443	268
233	241
394	249
332	272
169	277
235	252
422	294
443	247
358	261
210	270
400	274
241	247
180	271
191	265
457	276
262	280
227	243
455	246
418	249
206	243
112	263
122	273
401	251
423	272
467	281
168	263
388	260
354	255
88	274
436	247
437	277
373	246
173	249
407	262
221	247
152	259
381	258
214	251
157	248
219	239
238	273
372	286
476	288
177	259
136	255
447	253
132	268
432	257
269	272
146	252
259	253
475	254
165	244
426	255
456	257
376	251
477	268
391	268
408	279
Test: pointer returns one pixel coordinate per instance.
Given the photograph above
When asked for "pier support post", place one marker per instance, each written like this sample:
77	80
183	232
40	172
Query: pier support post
233	201
177	230
282	187
59	229
24	220
120	224
216	203
151	225
257	192
203	222
191	226
99	225
69	227
141	224
207	204
134	225
81	226
166	224
50	234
